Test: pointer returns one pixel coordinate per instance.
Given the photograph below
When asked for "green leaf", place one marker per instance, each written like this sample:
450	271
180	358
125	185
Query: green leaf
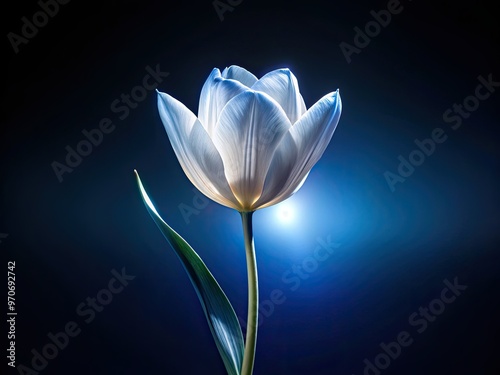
220	314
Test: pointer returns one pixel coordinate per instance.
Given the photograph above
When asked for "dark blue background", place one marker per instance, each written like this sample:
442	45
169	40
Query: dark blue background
395	248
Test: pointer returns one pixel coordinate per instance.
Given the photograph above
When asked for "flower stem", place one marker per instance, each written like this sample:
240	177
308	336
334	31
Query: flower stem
253	295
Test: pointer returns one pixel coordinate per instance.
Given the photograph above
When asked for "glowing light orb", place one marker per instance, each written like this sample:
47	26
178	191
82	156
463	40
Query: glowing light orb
285	213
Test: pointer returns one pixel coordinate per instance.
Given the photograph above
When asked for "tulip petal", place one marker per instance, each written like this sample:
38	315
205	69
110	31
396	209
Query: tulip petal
250	128
312	134
195	150
282	86
209	163
216	92
284	160
239	74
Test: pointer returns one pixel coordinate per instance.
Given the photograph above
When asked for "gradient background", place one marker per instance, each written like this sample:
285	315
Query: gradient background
395	248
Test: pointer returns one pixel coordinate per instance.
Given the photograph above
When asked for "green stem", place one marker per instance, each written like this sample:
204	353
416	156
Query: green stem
253	295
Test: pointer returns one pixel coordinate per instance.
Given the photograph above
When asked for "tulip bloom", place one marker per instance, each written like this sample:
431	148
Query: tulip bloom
252	146
253	142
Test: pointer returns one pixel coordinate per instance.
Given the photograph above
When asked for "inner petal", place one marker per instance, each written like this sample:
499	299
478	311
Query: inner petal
249	129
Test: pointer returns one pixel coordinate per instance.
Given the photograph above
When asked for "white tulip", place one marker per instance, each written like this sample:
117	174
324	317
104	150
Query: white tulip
253	142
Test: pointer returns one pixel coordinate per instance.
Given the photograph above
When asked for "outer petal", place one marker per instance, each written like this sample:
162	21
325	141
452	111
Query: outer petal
249	129
239	74
284	160
311	134
282	86
195	150
216	92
